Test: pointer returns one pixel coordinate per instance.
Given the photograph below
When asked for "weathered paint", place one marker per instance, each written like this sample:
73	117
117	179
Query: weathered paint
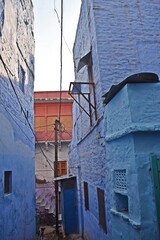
130	143
69	205
156	181
43	169
46	109
124	39
17	208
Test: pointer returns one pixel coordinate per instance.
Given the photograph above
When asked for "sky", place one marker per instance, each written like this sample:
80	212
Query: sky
47	43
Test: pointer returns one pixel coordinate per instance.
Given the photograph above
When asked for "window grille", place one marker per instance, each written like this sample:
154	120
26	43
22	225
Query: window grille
120	182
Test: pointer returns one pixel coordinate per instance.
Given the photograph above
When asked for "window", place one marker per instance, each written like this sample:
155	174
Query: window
90	69
87	61
1	19
62	168
86	88
22	77
86	196
121	203
7	182
102	211
120	181
120	189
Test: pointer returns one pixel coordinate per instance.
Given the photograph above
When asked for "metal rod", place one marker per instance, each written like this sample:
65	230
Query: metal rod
80	92
61	59
90	109
83	94
56	173
79	104
95	103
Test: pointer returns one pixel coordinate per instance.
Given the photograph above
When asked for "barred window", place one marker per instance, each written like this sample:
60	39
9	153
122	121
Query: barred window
120	182
86	196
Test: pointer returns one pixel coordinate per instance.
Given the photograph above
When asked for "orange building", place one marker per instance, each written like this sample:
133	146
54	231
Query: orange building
47	109
48	106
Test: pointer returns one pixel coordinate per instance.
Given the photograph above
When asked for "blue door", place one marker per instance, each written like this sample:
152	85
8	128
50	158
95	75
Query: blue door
69	206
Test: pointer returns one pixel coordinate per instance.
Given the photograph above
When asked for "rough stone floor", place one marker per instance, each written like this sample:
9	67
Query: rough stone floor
49	234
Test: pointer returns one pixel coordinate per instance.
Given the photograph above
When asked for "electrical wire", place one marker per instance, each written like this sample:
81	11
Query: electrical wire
41	163
24	123
8	71
63	129
67	133
56	12
61	61
24	60
59	122
60	27
43	170
42	126
43	138
61	65
45	125
15	122
49	161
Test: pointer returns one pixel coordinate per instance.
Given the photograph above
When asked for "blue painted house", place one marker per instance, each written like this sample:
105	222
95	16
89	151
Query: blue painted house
114	40
130	146
17	173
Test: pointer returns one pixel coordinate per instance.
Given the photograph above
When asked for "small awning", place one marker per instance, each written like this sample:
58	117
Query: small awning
84	61
64	177
136	78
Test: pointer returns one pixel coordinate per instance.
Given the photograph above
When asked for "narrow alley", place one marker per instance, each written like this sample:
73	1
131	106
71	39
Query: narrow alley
50	234
80	153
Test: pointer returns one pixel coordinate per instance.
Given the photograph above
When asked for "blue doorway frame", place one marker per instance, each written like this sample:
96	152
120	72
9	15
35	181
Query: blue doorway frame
69	205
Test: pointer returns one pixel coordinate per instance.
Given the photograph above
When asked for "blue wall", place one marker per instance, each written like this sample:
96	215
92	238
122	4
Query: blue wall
16	155
124	39
17	207
127	34
130	142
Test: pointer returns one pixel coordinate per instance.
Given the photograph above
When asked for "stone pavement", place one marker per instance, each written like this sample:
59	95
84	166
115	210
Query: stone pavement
73	237
49	234
69	237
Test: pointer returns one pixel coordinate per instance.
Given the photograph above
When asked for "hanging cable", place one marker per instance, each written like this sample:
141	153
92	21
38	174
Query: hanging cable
42	126
16	122
60	27
61	61
8	71
56	12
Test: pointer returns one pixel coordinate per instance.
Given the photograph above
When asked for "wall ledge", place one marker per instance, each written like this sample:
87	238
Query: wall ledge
125	217
91	129
132	129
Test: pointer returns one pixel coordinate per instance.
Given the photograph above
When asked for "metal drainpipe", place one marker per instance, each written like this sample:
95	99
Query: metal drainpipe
81	201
